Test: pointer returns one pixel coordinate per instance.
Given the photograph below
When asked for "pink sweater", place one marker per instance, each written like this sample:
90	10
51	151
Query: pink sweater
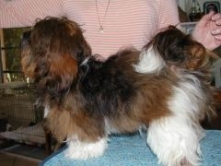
127	22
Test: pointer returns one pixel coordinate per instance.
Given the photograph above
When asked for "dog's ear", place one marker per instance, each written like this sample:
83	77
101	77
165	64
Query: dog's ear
56	46
58	74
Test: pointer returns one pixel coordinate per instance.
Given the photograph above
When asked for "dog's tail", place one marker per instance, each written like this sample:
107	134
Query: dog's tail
149	62
180	53
171	48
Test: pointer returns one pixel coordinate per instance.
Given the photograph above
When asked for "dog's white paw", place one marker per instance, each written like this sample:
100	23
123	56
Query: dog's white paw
83	150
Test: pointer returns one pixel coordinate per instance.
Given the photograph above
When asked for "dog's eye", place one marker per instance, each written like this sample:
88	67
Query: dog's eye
25	38
26	35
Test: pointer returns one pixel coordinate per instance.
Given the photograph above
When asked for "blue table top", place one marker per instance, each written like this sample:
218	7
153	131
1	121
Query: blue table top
132	150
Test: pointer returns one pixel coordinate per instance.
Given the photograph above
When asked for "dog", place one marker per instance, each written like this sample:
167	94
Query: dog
164	88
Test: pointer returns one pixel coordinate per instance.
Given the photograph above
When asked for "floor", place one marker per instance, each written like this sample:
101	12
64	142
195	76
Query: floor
7	159
12	154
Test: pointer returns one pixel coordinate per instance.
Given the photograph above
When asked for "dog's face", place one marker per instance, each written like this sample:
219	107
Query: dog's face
51	53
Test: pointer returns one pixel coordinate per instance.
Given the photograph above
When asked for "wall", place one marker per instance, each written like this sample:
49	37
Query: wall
186	4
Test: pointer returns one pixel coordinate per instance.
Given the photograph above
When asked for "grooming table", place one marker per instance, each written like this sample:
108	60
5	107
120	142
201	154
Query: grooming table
132	150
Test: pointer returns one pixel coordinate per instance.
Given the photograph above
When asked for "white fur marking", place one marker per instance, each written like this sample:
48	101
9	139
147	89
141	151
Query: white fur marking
149	62
84	150
46	111
175	139
85	61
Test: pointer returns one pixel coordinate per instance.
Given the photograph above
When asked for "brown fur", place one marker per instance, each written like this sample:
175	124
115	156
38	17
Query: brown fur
54	59
86	99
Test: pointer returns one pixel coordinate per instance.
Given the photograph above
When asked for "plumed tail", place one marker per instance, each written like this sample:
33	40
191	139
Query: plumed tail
149	62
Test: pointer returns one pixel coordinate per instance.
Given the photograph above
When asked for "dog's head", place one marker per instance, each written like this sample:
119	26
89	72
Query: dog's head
51	52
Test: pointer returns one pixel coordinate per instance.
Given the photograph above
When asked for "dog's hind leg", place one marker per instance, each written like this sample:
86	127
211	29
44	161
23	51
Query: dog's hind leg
175	137
174	141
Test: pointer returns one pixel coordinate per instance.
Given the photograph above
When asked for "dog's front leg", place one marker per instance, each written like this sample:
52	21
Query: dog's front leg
84	150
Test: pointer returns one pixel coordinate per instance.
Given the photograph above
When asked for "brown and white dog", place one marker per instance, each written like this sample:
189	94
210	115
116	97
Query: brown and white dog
163	88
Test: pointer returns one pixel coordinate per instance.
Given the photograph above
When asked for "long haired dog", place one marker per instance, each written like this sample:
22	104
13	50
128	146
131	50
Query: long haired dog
162	88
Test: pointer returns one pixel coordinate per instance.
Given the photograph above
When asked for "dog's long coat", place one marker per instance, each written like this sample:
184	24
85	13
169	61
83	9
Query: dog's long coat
163	88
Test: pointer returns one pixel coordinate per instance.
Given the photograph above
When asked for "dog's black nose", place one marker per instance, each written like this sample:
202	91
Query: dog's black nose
25	38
